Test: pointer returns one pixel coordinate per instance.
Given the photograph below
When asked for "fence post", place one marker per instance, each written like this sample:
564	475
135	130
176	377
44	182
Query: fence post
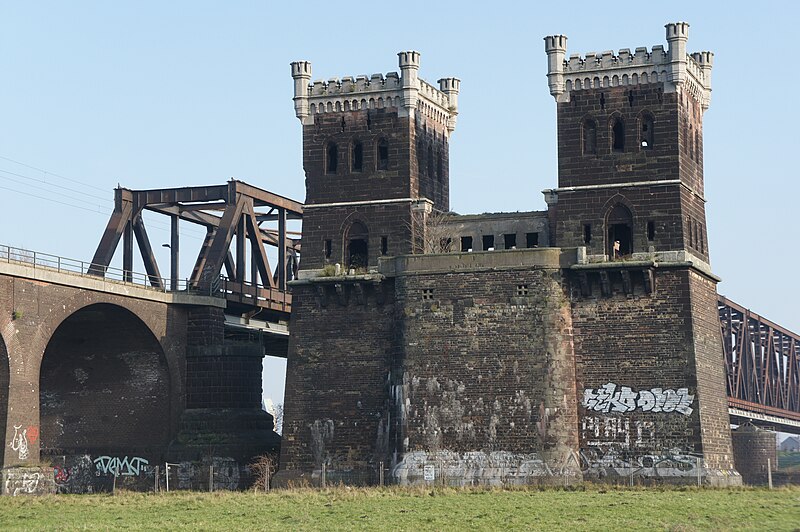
166	471
211	478
155	482
699	473
322	479
380	474
769	472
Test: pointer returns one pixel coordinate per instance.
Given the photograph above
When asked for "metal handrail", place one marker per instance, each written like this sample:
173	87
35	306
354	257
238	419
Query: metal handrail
47	261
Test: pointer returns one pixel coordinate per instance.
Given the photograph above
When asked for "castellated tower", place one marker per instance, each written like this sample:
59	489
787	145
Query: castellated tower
375	151
644	300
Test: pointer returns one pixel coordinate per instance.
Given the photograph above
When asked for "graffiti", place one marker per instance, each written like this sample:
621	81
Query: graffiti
61	474
116	466
33	434
19	443
25	483
613	462
608	399
623	432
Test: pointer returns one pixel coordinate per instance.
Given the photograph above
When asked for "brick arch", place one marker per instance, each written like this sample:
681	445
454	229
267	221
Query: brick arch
619	207
355	221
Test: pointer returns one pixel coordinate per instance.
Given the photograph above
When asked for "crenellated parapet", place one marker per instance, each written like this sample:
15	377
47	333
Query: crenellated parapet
405	92
673	67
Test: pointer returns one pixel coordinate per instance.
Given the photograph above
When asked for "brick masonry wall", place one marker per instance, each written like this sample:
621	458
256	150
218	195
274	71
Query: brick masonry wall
337	382
651	343
678	213
485	388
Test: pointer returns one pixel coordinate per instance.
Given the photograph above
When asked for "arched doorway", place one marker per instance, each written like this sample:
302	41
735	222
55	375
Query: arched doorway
104	386
357	246
620	232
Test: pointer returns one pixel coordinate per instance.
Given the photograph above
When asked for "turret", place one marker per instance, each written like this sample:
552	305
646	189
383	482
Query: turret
409	68
301	72
450	87
705	60
677	35
556	48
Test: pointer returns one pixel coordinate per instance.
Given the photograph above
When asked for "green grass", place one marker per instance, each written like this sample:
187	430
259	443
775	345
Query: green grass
789	461
409	509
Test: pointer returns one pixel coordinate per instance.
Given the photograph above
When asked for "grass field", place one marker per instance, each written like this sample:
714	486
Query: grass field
408	509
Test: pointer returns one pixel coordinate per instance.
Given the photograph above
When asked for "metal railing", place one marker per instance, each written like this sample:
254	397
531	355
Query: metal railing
55	263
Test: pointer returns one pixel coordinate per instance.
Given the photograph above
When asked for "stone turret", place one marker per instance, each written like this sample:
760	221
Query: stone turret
672	67
405	92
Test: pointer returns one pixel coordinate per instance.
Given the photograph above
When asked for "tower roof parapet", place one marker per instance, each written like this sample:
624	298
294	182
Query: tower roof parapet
672	67
405	92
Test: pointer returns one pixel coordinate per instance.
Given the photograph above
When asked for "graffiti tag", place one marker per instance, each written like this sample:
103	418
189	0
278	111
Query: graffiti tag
609	399
61	474
25	483
605	430
19	443
119	466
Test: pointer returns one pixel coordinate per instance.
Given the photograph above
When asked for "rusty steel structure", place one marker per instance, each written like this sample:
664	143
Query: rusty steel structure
762	363
236	216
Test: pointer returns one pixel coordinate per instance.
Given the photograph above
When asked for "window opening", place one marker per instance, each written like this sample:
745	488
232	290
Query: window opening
522	290
589	137
620	232
328	249
357	249
466	244
647	133
488	242
358	156
510	240
344	124
333	158
587	233
532	240
602	101
618	135
384	245
383	154
427	294
651	231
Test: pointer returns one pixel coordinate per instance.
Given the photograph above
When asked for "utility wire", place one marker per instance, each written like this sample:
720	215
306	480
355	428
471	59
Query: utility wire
50	173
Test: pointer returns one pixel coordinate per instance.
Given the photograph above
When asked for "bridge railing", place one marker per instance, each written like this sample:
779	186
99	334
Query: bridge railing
55	263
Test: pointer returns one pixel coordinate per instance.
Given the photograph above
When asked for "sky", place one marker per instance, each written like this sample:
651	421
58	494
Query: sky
160	94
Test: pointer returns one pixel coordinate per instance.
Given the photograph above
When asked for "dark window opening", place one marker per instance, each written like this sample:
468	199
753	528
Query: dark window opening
602	101
384	245
532	240
510	240
651	231
630	98
488	242
328	249
369	121
344	124
358	156
427	294
522	290
357	251
618	135
647	133
587	233
332	159
620	234
466	243
589	137
383	154
691	143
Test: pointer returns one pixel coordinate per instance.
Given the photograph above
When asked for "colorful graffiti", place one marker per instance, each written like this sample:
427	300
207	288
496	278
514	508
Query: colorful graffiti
608	398
119	466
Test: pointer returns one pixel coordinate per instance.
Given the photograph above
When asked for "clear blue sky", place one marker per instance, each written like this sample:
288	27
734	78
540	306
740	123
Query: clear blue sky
159	94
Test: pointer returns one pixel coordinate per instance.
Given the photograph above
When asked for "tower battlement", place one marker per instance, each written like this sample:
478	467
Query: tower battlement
673	67
405	92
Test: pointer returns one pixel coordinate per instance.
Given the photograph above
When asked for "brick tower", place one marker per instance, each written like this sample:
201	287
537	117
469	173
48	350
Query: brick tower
630	190
375	150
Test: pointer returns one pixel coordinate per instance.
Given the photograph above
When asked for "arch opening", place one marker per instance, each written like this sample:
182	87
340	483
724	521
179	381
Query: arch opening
357	246
620	232
104	386
618	135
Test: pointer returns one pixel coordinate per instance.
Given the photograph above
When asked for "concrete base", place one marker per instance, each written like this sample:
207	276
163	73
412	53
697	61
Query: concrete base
34	480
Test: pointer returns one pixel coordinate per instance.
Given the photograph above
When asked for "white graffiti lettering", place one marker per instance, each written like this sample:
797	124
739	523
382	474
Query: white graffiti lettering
25	483
19	443
608	398
116	466
624	432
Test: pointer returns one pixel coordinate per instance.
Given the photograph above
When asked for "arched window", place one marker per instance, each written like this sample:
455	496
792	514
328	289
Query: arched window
332	158
383	154
618	135
619	224
357	247
647	135
358	156
589	134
